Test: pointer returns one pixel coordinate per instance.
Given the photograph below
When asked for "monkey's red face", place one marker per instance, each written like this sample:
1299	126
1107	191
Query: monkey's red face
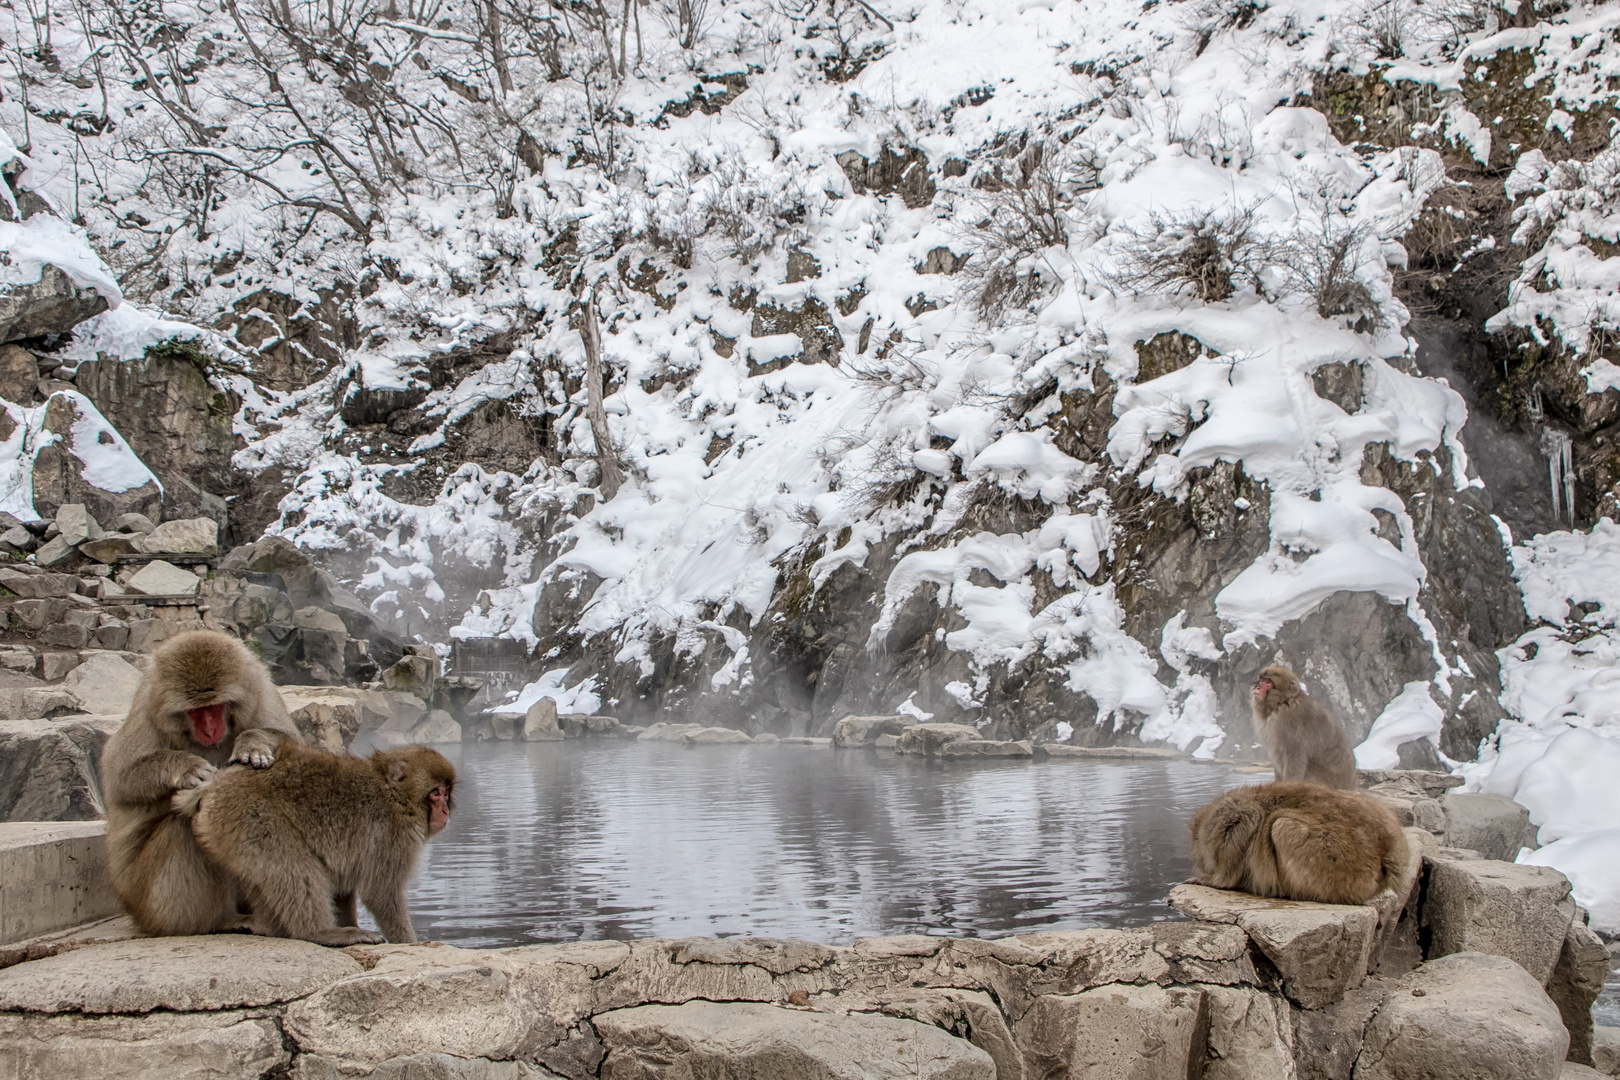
438	808
1261	686
208	724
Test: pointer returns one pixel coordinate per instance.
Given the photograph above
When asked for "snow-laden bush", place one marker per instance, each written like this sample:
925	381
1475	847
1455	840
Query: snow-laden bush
1210	252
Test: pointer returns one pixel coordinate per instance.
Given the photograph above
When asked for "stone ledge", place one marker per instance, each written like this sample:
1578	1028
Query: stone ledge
53	876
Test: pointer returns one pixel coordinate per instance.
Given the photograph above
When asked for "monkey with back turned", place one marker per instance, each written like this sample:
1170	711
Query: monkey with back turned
1303	739
205	702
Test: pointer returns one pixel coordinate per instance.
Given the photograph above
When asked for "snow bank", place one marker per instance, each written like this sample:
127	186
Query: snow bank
108	462
1412	715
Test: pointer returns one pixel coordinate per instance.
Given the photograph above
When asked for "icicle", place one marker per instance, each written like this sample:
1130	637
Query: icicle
1560	451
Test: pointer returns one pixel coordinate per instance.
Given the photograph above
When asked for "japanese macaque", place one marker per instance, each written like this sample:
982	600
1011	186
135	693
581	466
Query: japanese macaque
1299	842
206	701
318	825
1304	741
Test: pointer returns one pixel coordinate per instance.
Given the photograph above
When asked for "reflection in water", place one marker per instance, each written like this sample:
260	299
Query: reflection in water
588	840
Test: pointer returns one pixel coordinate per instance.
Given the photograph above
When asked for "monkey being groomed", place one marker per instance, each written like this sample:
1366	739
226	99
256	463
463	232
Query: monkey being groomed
1299	841
318	825
206	701
1304	741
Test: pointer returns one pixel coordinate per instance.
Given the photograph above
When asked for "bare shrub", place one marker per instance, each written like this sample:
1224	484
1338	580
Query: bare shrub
1208	252
1380	27
1323	266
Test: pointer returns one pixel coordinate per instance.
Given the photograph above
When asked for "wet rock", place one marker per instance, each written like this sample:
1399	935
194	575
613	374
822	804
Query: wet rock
48	768
668	732
1520	912
103	684
708	736
160	1046
988	748
701	1038
1577	980
1106	753
53	304
1147	1031
1468	1014
1489	824
160	578
1320	950
859	731
174	974
540	722
931	738
186	536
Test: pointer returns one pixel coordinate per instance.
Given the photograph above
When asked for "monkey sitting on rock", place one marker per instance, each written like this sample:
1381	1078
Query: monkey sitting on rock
1299	841
1304	741
318	825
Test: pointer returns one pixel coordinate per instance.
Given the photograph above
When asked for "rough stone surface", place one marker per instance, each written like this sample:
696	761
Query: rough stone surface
77	524
184	974
1575	1071
35	702
103	684
930	738
1489	824
1321	950
1606	1050
853	732
51	305
59	472
163	1046
667	732
37	586
703	1038
412	675
1251	1036
52	876
1327	1041
54	552
1116	1033
540	722
159	578
1577	980
988	748
107	549
327	716
1468	1015
1481	905
425	1067
184	536
1082	753
54	665
48	768
19	371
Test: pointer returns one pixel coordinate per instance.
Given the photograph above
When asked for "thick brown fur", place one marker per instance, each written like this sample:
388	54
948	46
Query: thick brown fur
1299	841
158	871
1304	740
318	824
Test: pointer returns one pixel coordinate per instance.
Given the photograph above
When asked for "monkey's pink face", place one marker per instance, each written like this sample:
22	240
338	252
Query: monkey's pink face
1260	688
438	808
208	724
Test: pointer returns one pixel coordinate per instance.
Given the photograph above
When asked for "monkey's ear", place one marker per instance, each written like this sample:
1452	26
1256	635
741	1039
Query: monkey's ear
396	773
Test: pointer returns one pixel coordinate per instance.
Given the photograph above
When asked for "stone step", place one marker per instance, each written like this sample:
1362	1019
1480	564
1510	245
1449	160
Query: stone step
53	876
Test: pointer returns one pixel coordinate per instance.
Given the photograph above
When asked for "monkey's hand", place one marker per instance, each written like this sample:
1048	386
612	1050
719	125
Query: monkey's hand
254	748
193	774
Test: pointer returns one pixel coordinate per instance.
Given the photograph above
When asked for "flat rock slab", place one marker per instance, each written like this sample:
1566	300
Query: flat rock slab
988	748
1119	1031
187	536
182	974
1321	950
704	1038
1506	909
163	1046
159	578
707	736
103	684
931	738
1111	753
1466	1015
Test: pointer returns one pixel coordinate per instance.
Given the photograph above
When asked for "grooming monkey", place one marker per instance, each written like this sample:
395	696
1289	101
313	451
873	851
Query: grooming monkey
318	824
205	701
1299	841
1304	740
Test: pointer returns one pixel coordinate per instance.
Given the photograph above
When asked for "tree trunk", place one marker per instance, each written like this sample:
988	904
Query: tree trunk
606	460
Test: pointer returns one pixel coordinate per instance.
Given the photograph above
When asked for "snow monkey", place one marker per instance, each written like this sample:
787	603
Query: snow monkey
205	701
1299	842
1304	740
318	825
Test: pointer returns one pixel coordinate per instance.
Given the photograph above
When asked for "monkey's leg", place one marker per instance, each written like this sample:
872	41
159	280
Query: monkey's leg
292	895
387	906
175	890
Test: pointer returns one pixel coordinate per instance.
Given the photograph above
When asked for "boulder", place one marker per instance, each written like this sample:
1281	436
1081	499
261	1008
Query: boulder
425	1067
51	304
184	974
540	722
1489	824
18	541
54	552
76	524
1577	980
705	736
327	716
1320	950
437	727
54	665
859	731
107	549
1606	1050
48	768
1468	1014
314	618
931	738
37	586
604	727
1251	1035
1506	909
1103	753
35	702
134	523
1327	1041
185	536
159	578
662	732
1122	1031
103	684
987	748
1575	1071
412	675
159	1046
19	371
744	1039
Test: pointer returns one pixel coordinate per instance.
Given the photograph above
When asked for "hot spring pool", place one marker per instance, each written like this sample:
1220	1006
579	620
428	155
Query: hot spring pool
587	840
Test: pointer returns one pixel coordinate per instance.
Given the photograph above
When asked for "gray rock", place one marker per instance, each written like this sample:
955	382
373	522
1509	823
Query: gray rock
931	738
858	731
37	586
104	684
1465	1015
706	736
134	523
1327	1041
1119	1031
159	1046
77	524
743	1039
1251	1036
54	552
1606	1050
35	702
412	675
313	618
59	472
54	665
437	727
185	536
662	732
540	722
1577	980
222	971
1489	824
425	1067
18	538
1104	753
988	748
107	549
66	635
19	371
327	716
160	578
51	305
38	614
1520	912
1575	1071
1320	950
48	768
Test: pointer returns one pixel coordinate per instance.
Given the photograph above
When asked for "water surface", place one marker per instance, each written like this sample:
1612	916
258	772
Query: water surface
590	840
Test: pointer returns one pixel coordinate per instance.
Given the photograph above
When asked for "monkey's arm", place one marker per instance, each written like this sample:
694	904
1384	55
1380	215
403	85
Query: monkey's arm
1289	763
393	917
257	747
158	776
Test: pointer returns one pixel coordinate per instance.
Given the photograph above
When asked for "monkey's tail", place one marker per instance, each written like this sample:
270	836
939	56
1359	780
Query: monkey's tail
187	802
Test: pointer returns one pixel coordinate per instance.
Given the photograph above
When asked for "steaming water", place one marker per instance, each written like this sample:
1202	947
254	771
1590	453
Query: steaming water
588	840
